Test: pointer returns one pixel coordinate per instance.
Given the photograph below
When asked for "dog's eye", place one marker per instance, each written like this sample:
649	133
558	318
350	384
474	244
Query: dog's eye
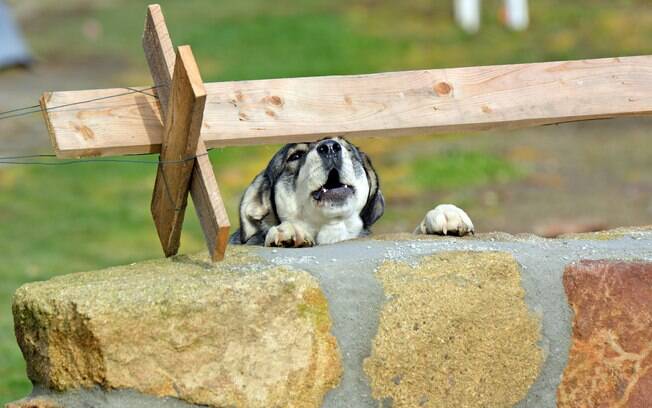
296	155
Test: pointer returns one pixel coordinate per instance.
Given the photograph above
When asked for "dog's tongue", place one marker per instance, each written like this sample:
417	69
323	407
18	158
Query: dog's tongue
332	194
333	190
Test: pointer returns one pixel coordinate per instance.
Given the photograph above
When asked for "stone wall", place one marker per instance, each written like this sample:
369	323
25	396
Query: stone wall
489	321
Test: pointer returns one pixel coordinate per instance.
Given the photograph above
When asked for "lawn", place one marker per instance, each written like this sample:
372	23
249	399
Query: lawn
56	220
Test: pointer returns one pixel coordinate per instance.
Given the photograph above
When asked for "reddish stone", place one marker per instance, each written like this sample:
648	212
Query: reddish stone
610	362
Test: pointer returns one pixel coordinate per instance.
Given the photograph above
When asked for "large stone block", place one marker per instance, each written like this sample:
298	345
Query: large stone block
225	335
455	332
610	362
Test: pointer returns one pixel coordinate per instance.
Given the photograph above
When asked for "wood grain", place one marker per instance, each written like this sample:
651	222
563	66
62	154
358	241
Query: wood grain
204	190
159	53
183	123
209	207
390	104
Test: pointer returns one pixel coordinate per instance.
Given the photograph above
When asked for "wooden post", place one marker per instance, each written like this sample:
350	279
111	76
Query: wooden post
205	192
159	53
517	15
467	14
182	126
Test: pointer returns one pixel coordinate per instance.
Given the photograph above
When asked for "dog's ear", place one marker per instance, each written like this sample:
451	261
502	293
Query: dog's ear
375	206
255	207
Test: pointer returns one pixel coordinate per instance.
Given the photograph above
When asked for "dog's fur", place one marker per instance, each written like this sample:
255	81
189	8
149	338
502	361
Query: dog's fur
320	193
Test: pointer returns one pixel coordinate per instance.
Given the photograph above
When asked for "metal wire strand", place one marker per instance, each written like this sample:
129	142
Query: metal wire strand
28	110
20	109
18	160
17	112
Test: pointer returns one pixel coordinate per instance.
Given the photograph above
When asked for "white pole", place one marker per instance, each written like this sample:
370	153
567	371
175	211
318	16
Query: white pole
467	15
517	14
13	50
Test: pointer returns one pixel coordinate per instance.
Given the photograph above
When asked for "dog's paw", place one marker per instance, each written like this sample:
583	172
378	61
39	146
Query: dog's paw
446	219
288	235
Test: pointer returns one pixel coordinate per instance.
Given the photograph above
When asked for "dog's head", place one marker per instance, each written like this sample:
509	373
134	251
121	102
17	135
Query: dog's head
316	183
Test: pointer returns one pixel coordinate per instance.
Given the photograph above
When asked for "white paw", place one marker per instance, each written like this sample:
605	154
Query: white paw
288	235
446	219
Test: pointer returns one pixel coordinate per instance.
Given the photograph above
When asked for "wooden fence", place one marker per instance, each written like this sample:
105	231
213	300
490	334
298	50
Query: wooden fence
190	117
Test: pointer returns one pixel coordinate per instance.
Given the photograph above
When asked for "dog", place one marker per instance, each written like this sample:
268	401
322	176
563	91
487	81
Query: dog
321	193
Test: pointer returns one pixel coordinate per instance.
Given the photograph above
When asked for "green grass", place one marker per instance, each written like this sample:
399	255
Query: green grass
56	220
460	168
261	39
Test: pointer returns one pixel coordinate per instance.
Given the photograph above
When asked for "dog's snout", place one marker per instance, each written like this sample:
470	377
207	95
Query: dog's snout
329	148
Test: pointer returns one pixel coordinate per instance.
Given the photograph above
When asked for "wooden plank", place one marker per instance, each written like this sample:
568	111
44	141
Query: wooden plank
98	128
204	190
159	53
185	114
398	103
209	206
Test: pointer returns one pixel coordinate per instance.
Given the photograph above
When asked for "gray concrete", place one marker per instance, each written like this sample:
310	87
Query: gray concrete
97	398
355	298
346	274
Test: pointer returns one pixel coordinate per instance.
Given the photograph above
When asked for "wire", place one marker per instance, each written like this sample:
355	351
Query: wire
11	160
17	112
16	115
20	109
28	110
29	156
142	92
102	98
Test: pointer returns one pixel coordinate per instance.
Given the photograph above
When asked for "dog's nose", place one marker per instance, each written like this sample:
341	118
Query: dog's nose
329	148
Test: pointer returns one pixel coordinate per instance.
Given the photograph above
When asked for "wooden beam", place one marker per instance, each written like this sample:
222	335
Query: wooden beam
159	53
185	114
204	190
210	208
390	104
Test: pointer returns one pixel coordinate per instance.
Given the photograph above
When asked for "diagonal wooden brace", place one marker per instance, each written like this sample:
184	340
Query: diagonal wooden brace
182	98
182	125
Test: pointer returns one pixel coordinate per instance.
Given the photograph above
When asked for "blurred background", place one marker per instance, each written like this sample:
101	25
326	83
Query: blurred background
576	177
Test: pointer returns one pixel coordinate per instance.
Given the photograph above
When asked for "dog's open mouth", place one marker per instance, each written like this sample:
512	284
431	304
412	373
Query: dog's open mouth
334	189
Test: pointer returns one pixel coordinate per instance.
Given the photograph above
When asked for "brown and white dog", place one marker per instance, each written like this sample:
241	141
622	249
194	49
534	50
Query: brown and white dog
321	193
